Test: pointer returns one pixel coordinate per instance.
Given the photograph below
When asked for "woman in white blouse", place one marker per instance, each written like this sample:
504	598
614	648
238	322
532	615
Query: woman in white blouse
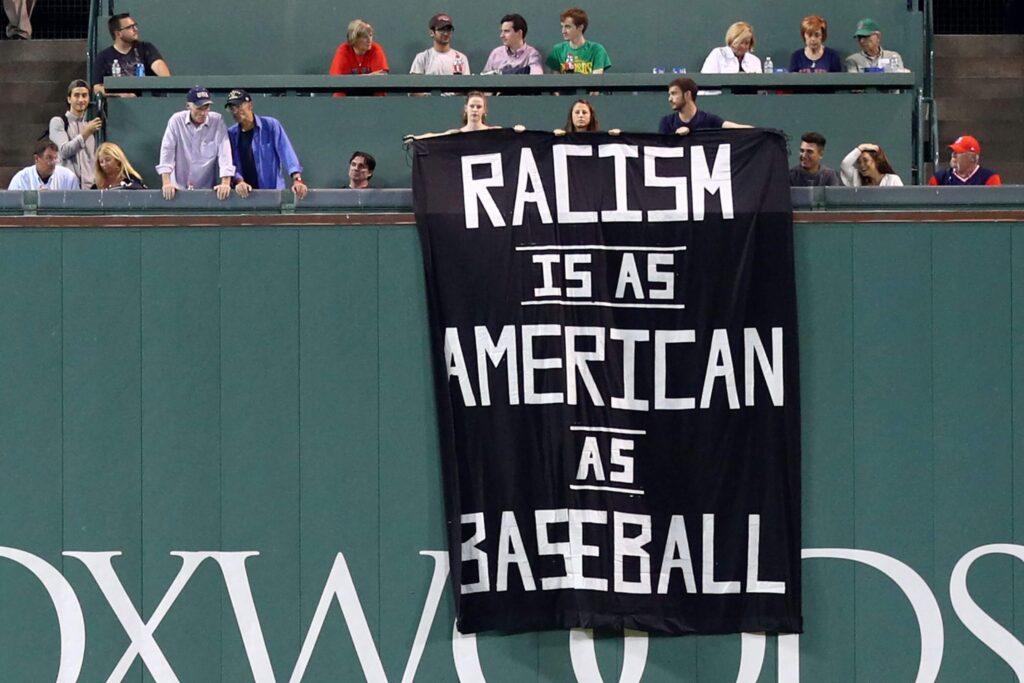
867	165
737	55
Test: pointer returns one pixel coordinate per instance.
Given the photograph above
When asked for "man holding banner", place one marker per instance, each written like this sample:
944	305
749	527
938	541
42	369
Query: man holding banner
616	352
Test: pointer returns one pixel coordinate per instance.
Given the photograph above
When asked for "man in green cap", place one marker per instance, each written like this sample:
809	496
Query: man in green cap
871	55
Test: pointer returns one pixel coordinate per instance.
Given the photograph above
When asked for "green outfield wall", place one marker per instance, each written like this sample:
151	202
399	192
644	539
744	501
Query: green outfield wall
218	449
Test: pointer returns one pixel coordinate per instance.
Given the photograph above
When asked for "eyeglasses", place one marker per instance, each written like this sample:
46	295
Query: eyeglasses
444	29
129	27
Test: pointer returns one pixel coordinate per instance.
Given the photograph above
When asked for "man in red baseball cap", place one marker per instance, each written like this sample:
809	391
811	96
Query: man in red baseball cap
963	166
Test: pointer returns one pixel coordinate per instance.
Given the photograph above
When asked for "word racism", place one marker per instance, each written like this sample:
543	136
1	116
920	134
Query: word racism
615	327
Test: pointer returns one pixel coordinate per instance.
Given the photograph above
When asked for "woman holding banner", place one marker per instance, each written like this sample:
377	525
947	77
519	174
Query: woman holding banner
582	119
474	118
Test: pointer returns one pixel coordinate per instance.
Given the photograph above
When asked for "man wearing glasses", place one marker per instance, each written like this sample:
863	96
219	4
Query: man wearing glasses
441	59
130	55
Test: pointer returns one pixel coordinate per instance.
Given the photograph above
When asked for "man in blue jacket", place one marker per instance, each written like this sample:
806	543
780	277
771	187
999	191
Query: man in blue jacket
260	149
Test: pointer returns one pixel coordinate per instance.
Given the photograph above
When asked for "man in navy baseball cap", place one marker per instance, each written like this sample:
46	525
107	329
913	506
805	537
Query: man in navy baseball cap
195	151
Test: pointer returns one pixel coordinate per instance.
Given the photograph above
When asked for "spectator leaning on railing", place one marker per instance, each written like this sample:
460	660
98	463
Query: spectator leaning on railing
195	150
260	148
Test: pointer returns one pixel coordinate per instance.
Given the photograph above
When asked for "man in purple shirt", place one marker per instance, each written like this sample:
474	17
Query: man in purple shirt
195	150
513	56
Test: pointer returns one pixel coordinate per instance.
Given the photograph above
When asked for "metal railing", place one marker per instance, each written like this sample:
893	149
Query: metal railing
927	99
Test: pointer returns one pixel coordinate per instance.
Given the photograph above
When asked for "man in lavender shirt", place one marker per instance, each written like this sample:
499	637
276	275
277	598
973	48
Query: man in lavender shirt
195	150
514	56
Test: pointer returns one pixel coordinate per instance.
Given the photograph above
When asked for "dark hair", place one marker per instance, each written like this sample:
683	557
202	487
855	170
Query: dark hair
518	23
686	85
114	23
813	138
371	163
77	83
43	145
881	161
591	127
578	16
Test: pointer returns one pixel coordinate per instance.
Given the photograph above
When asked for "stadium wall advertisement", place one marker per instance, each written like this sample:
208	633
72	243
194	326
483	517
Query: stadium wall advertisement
465	654
221	462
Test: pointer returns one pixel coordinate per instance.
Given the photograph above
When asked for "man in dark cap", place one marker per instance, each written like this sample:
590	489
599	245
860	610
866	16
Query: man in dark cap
260	149
871	55
195	151
441	59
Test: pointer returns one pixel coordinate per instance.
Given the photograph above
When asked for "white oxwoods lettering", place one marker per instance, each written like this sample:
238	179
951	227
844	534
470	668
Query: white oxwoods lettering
340	588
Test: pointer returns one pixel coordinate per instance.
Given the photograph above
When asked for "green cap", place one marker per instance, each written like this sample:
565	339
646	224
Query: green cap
865	27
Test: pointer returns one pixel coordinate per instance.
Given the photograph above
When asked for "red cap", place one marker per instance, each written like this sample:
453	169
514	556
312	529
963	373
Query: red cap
965	143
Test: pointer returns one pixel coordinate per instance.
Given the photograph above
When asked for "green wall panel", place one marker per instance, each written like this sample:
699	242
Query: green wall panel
339	431
973	436
892	431
260	464
31	448
824	266
102	425
1017	426
181	474
270	390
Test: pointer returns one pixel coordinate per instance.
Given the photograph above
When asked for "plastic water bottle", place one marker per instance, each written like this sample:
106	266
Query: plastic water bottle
768	66
115	70
140	69
457	69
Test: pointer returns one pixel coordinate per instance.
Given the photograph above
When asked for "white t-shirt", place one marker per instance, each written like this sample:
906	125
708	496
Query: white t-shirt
430	62
28	179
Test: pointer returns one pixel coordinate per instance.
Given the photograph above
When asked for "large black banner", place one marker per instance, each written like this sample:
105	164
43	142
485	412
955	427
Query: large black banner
614	321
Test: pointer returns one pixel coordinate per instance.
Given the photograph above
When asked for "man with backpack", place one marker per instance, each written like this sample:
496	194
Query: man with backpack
75	136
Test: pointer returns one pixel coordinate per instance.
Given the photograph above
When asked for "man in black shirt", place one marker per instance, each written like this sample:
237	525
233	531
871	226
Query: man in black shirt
128	53
685	117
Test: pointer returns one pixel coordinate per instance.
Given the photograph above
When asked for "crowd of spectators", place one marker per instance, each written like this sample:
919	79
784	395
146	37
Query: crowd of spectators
198	150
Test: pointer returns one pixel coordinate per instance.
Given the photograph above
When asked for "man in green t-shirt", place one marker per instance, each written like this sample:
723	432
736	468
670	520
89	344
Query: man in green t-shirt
577	55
